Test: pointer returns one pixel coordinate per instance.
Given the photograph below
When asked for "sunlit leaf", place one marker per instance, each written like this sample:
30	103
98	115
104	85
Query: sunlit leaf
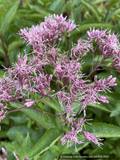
9	17
103	130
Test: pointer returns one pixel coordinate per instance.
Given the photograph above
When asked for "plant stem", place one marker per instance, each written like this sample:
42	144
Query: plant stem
106	15
19	109
94	69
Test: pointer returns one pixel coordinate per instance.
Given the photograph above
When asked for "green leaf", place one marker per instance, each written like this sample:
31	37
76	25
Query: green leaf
36	16
41	106
113	13
3	134
99	106
55	150
53	104
85	27
23	129
45	117
44	12
48	155
116	111
13	46
98	1
20	119
69	6
76	109
36	116
1	49
12	146
117	11
55	6
19	137
103	130
112	3
26	147
9	17
83	146
91	9
39	1
6	120
50	137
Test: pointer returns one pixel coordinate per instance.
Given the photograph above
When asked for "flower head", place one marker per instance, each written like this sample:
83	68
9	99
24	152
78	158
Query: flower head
92	137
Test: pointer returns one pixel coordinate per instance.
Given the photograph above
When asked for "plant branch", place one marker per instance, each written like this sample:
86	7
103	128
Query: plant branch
106	15
19	109
94	69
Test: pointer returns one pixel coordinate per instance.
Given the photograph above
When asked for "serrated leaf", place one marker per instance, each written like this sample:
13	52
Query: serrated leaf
103	130
26	147
112	3
36	116
49	138
9	17
91	9
87	26
116	111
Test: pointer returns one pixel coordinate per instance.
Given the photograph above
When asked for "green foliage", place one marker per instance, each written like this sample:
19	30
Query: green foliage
103	130
91	9
8	17
37	116
50	137
112	3
32	134
116	111
26	147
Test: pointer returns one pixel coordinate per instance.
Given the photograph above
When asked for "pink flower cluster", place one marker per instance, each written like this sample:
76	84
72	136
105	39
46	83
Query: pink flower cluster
107	44
47	32
31	75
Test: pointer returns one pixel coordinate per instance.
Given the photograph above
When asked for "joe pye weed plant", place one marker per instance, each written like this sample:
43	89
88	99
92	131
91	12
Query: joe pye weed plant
52	77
